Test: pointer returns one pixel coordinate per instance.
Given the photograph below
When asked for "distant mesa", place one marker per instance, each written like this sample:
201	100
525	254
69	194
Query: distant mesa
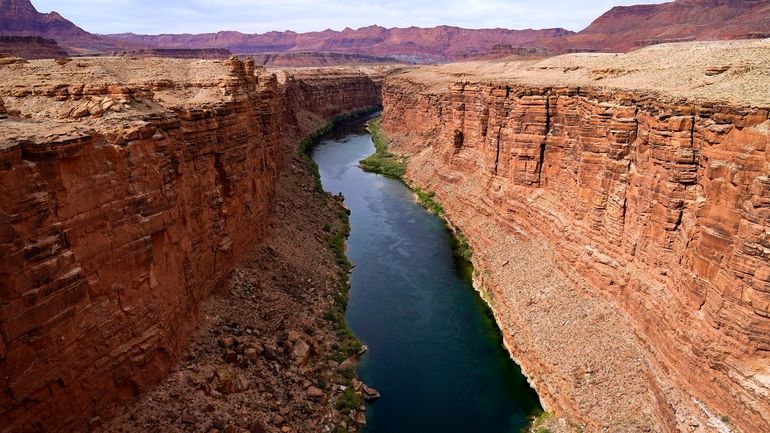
179	53
413	44
289	59
30	47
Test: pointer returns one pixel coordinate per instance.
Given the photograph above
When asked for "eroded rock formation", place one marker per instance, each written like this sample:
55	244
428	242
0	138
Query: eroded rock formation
658	204
128	197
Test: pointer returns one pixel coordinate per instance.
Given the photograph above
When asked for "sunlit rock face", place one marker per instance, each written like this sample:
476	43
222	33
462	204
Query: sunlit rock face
131	189
657	204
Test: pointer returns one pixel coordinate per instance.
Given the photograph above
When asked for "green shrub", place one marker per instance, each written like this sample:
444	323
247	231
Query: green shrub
382	161
348	400
427	199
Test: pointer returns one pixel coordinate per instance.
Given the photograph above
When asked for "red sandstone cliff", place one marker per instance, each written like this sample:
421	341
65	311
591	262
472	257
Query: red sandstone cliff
652	206
128	198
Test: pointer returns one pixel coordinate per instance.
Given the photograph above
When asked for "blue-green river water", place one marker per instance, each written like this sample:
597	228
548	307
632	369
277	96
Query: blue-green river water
435	353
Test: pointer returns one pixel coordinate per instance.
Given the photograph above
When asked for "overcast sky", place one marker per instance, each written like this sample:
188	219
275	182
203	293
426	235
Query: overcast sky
257	16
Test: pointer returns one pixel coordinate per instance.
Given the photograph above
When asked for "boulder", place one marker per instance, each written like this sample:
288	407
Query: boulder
369	393
231	383
314	392
301	352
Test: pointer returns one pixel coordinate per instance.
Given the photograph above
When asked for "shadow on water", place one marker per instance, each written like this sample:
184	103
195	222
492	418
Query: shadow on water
436	353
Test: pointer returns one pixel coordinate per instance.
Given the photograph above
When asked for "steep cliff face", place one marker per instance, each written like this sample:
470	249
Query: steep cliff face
657	204
128	197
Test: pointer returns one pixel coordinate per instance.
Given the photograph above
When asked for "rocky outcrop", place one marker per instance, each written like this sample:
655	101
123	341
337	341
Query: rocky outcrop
30	47
656	205
125	204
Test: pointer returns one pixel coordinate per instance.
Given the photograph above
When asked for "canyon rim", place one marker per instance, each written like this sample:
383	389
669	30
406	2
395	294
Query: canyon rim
171	263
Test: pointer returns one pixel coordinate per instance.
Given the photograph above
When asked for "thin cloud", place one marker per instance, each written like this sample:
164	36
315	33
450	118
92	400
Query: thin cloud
257	16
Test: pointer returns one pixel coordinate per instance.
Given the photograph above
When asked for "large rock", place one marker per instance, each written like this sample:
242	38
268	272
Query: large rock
301	352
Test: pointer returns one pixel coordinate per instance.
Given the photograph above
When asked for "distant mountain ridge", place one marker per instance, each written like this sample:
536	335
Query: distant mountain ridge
443	43
622	28
20	18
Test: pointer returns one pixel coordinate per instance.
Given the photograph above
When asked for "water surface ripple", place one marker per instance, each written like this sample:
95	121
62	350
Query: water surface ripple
434	350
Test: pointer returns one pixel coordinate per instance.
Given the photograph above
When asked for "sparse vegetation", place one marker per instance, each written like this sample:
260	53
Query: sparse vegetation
725	419
307	144
382	161
347	344
538	423
348	400
427	199
394	166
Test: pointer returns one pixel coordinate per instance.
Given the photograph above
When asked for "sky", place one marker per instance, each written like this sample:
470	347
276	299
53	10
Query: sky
258	16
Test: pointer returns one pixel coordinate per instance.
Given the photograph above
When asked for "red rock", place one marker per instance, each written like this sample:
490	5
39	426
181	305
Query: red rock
658	205
116	231
231	383
301	352
625	28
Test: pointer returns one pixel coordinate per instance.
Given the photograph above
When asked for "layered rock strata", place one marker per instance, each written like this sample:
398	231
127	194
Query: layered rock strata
620	234
131	190
180	53
30	47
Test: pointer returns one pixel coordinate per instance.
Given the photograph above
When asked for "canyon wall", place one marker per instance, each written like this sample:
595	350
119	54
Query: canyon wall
657	204
130	191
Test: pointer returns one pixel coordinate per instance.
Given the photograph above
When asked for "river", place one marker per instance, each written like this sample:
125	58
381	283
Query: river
435	352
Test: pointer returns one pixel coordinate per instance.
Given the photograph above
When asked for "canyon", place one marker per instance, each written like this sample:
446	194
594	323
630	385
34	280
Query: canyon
617	207
169	260
132	190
